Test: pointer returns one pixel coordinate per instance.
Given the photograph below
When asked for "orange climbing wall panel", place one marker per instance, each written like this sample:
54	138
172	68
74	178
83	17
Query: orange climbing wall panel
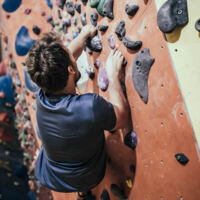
163	127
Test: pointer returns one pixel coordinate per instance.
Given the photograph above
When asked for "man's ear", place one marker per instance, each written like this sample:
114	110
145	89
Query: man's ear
71	70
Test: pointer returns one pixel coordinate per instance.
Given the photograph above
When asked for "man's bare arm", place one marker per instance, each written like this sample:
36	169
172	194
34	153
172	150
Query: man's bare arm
76	46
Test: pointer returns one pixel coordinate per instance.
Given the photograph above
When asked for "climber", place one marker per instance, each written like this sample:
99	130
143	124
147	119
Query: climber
71	126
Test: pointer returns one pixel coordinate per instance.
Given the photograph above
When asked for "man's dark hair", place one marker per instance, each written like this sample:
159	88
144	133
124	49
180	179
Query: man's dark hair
47	63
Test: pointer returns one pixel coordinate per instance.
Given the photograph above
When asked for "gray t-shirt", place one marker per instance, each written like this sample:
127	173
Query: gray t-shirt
71	128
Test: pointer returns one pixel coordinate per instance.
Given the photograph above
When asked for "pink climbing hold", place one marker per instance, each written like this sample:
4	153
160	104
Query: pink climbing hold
111	41
2	68
7	16
27	11
43	13
103	81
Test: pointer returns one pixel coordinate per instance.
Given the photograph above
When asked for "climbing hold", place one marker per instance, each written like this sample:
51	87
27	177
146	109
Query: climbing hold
132	168
131	44
102	28
66	22
78	8
118	192
43	13
197	25
61	3
105	8
105	195
111	41
130	139
11	5
94	3
108	9
10	55
79	29
140	72
120	30
30	85
13	65
83	19
131	9
124	63
97	63
182	158
59	14
129	183
90	72
70	8
36	30
94	18
6	87
103	81
7	16
17	81
94	43
84	2
23	41
5	39
27	11
75	20
49	18
172	14
75	35
49	3
2	68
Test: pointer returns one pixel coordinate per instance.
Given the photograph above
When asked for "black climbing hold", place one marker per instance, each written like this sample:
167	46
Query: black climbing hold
120	30
13	65
94	43
78	8
83	19
59	14
84	2
140	72
130	139
108	9
49	18
102	28
118	192
131	44
36	30
105	195
124	63
131	9
70	8
94	3
181	157
61	3
172	14
197	25
90	72
132	168
79	29
94	18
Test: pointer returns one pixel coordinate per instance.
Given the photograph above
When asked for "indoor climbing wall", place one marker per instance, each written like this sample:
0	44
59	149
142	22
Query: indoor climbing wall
159	42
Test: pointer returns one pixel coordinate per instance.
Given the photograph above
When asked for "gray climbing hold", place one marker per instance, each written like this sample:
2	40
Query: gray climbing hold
36	30
94	43
131	10
78	8
111	41
197	25
94	3
83	19
102	80
172	13
70	8
118	192
133	45
108	9
120	30
102	28
140	72
61	3
94	18
182	158
66	22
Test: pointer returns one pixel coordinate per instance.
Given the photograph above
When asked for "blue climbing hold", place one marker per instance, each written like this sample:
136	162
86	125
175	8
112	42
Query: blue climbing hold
11	5
50	4
28	82
23	41
6	87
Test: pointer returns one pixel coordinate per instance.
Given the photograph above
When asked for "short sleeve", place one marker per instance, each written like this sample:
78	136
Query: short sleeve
104	114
